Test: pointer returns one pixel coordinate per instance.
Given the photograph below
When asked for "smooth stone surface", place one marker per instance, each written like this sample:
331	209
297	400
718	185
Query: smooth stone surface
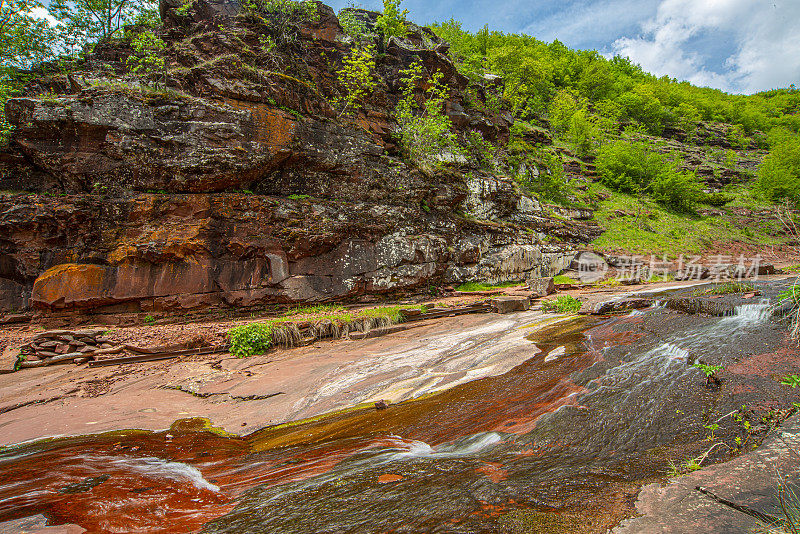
750	480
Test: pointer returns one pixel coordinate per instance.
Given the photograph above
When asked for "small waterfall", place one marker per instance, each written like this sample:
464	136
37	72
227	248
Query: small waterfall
157	468
673	352
753	313
655	306
463	447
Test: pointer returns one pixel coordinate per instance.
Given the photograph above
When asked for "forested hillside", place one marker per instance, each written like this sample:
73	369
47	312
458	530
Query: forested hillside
687	148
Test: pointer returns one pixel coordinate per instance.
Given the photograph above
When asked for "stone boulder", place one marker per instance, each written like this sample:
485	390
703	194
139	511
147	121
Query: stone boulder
541	287
510	304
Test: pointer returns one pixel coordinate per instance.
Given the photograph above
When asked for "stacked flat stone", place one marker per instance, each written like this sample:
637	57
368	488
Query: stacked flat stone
64	345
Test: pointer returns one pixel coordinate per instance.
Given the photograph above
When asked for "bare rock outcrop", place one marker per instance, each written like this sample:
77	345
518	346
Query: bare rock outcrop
237	183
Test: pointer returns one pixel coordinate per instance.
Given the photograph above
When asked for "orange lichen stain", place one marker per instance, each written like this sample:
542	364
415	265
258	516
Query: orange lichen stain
69	283
274	128
389	477
121	253
490	510
530	453
494	471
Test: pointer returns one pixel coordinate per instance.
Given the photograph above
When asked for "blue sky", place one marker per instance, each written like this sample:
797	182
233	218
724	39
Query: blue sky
734	45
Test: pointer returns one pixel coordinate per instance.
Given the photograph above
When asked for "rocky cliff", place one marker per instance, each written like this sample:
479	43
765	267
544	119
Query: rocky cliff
235	180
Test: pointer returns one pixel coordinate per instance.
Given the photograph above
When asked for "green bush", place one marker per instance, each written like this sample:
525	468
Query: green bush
6	92
737	137
628	167
632	167
583	134
479	150
562	304
282	16
250	339
539	172
354	27
424	131
718	199
357	77
147	59
678	191
779	173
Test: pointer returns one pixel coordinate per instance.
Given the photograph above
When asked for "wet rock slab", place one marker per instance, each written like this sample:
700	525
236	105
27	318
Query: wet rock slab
37	524
750	481
272	388
620	305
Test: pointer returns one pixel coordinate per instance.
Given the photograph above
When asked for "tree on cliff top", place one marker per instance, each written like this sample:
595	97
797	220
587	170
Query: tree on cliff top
24	38
85	22
282	16
392	23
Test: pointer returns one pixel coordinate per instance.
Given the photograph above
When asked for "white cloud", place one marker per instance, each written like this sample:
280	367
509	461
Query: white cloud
766	34
589	23
42	13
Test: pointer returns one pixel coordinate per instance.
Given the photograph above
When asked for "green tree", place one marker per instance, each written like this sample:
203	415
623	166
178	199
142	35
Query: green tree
424	131
779	173
85	22
24	39
6	92
528	74
357	76
483	40
147	59
563	106
641	105
392	23
688	117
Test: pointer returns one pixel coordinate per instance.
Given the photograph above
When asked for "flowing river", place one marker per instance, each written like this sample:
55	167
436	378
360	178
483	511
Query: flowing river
560	443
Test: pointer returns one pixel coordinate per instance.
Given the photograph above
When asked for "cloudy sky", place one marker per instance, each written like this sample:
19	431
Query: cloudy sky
739	46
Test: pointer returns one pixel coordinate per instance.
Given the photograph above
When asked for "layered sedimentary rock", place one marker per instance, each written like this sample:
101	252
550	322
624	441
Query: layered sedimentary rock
238	183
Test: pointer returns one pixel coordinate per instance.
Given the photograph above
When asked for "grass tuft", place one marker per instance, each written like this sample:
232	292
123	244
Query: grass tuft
726	288
313	310
788	521
562	304
563	279
482	286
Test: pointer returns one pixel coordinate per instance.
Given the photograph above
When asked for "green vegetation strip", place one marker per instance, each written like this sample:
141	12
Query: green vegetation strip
325	322
482	286
562	304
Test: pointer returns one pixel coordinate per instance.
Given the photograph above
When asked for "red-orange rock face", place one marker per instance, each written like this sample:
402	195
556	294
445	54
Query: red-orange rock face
242	184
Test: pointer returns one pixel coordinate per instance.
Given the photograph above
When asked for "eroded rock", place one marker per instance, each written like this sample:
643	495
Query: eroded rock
241	185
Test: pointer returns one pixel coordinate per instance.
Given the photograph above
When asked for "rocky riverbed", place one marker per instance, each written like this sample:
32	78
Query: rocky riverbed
534	426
